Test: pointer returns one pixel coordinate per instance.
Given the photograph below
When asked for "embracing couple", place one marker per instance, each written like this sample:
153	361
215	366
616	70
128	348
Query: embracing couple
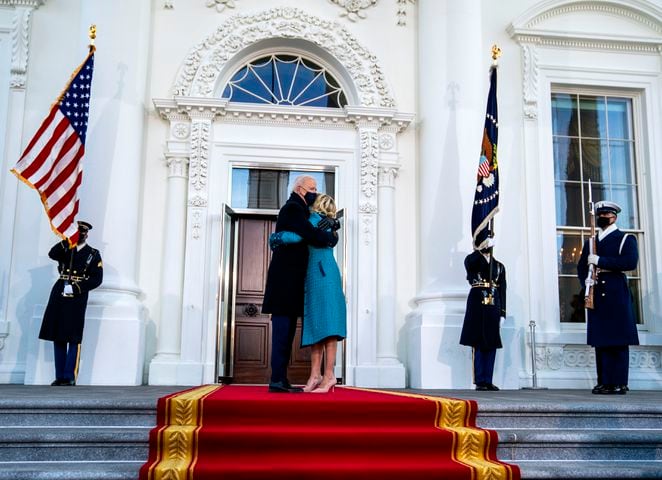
304	281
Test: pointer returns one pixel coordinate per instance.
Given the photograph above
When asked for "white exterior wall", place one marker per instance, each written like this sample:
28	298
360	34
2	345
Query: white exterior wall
436	157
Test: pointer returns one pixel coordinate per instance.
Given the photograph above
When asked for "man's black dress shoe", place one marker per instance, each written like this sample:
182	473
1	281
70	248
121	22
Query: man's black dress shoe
491	387
68	383
56	383
620	390
598	389
482	387
283	387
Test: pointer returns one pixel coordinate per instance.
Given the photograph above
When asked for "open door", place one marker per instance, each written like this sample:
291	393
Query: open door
227	286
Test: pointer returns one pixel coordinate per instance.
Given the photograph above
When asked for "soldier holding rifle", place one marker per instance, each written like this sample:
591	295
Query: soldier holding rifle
611	326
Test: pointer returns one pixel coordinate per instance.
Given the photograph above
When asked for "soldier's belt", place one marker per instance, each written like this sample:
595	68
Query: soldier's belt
73	278
483	285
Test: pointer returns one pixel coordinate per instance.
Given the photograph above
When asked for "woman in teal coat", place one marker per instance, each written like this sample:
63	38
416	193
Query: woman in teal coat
324	314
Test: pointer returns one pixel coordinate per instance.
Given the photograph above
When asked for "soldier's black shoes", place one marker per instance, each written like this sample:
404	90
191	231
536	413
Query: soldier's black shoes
63	383
485	387
283	387
610	389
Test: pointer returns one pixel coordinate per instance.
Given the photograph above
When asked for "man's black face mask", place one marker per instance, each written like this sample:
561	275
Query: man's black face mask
603	222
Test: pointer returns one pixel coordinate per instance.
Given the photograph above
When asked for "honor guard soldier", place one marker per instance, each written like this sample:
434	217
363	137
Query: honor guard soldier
611	326
81	270
486	305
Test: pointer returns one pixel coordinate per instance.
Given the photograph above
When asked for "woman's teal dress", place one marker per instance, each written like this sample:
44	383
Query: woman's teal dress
324	311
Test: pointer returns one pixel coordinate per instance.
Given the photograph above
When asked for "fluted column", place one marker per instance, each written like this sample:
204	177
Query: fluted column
114	342
162	369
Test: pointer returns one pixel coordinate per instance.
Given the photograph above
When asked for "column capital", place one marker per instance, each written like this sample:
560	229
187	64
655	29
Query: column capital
387	175
177	165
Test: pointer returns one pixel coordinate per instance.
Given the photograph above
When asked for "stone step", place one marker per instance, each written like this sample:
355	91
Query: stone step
69	470
589	470
577	444
71	444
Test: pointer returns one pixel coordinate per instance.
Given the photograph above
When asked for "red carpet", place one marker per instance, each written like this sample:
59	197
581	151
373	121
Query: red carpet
244	432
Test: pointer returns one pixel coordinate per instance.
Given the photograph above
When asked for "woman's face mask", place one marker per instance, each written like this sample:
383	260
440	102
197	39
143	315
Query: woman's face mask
310	197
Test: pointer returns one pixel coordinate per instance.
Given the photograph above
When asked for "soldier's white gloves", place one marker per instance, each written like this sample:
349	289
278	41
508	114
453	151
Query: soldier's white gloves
68	289
502	320
589	282
593	259
489	242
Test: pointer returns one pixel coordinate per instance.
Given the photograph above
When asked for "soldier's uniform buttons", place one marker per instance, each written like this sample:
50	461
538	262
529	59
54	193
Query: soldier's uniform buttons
603	294
603	282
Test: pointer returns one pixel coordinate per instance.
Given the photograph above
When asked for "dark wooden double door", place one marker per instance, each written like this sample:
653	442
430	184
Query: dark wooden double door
250	341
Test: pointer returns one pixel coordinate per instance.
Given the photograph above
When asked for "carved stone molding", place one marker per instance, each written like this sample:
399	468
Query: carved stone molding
386	142
354	9
368	140
20	46
569	357
199	74
168	4
367	222
199	155
22	3
368	207
530	80
387	176
4	333
177	166
196	223
197	201
220	5
180	130
402	11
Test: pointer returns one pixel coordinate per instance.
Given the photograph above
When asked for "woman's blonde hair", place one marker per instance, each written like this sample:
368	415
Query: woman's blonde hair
325	204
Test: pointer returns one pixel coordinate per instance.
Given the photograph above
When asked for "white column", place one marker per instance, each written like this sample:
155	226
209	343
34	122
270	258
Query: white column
452	75
114	341
162	369
392	372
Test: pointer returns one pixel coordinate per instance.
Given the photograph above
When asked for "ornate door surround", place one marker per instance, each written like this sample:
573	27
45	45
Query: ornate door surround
200	124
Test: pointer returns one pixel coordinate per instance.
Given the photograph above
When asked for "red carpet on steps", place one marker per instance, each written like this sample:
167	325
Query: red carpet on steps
244	432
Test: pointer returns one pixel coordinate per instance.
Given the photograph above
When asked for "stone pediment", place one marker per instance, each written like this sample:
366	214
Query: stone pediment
624	24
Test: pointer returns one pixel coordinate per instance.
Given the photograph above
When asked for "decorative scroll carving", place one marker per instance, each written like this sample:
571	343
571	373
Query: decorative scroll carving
199	155
530	80
369	161
197	201
571	357
354	8
20	42
402	11
199	74
220	5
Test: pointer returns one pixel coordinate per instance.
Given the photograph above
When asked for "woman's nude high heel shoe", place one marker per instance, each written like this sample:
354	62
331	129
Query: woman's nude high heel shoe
311	386
325	388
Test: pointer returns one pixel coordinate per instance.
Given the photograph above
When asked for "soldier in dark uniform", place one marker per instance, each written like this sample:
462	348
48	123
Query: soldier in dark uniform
611	326
284	290
486	305
81	270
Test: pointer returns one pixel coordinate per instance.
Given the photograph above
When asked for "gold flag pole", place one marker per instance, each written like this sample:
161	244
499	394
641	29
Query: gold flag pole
496	53
93	35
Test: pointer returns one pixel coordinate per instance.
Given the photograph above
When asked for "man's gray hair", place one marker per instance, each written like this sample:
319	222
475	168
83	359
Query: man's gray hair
300	180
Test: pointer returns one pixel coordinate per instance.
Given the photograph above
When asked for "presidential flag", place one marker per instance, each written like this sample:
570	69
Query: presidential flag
486	196
52	161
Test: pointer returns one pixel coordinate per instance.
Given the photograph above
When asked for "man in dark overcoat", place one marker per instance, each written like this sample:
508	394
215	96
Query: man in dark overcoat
486	305
284	290
81	270
611	325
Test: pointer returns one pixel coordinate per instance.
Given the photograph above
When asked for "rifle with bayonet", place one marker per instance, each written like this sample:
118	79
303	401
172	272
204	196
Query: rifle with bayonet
592	276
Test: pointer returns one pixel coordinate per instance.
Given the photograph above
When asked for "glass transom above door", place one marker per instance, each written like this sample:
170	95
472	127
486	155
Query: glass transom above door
285	80
266	189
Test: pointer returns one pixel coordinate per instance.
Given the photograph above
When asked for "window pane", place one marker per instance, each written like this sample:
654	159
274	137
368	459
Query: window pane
569	248
571	302
569	204
269	189
626	197
566	159
593	117
618	117
564	114
620	161
595	161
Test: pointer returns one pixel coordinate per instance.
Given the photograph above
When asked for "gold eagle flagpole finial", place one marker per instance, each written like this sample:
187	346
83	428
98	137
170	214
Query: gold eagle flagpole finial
93	35
496	53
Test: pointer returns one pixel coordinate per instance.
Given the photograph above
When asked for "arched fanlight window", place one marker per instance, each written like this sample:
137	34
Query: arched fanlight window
285	80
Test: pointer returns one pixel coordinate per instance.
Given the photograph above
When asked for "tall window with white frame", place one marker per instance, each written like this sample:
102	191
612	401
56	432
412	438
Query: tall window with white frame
593	139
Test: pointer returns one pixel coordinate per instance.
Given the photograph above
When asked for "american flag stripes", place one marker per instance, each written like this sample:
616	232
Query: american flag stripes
52	161
486	196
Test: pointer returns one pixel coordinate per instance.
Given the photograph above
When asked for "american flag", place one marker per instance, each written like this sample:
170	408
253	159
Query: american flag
52	161
486	196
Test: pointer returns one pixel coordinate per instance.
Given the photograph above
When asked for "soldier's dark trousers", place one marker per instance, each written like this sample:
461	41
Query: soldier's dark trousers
66	360
612	364
283	329
483	365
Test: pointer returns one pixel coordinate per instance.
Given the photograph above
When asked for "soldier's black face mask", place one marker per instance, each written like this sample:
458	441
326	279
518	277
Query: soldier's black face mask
603	222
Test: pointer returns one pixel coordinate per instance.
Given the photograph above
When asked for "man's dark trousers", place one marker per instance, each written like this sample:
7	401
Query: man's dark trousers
484	365
283	329
65	360
612	365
